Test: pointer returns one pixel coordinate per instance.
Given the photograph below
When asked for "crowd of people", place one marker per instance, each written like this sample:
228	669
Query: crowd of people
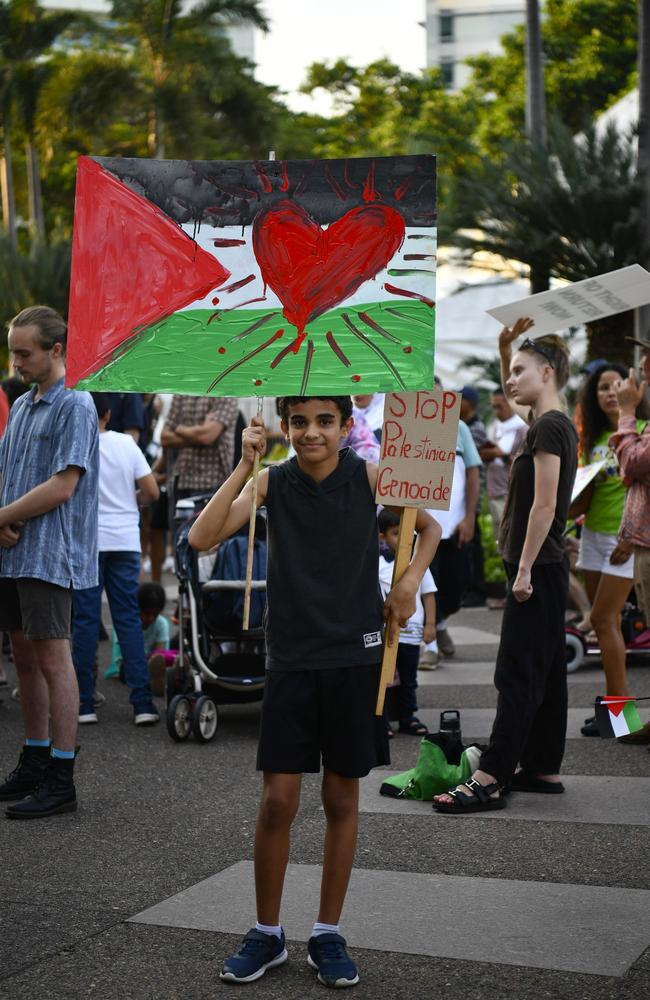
89	484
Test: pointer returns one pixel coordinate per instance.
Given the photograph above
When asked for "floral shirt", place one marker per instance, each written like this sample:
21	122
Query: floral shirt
633	453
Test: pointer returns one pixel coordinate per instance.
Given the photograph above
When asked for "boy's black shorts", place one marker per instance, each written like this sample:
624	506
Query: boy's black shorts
307	714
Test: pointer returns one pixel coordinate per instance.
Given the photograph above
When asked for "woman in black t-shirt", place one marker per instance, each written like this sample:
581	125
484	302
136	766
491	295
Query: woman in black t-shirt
530	673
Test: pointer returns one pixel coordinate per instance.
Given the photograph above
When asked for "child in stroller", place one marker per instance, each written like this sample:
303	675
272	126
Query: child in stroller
218	663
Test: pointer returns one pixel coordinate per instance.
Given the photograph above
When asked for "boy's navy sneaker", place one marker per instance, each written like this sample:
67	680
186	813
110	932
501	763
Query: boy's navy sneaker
328	954
258	953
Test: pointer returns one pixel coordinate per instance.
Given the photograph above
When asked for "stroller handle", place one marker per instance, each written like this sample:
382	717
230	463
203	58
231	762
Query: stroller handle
232	585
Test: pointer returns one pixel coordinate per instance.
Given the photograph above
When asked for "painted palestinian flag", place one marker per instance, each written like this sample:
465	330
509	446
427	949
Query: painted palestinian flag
238	278
617	716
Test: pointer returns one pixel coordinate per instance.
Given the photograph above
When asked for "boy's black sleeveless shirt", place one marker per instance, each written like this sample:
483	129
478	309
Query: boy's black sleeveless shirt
323	604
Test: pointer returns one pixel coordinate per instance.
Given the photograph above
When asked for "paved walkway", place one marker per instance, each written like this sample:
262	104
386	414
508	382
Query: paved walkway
142	891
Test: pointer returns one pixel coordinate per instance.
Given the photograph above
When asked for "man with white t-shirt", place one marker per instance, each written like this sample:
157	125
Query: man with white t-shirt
507	434
125	481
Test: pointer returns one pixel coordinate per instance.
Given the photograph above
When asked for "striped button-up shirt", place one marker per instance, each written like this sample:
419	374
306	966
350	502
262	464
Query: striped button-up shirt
45	436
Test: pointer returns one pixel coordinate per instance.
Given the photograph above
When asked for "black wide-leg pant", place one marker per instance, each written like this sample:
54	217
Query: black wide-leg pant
530	676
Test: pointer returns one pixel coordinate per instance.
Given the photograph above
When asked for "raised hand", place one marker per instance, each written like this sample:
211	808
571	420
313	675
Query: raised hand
510	333
253	440
629	393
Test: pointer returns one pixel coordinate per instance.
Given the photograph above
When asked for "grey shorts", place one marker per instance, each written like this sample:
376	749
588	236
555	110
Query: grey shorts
39	609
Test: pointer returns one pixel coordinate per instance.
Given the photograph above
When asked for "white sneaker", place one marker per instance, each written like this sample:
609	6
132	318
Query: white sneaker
146	718
168	565
146	565
99	699
87	718
429	660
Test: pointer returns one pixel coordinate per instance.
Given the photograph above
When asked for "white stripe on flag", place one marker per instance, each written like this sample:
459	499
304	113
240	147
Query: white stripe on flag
619	724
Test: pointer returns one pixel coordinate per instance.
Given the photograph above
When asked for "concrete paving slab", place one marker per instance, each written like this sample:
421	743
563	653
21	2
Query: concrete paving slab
588	799
456	672
574	928
476	723
466	635
463	672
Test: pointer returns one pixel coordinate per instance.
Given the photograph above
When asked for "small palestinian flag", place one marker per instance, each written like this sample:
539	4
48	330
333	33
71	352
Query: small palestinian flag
617	716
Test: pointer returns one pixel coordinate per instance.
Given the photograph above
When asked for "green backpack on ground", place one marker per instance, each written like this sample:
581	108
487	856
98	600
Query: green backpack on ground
432	774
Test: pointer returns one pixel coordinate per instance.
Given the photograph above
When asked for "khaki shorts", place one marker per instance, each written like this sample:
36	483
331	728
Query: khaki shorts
39	609
642	580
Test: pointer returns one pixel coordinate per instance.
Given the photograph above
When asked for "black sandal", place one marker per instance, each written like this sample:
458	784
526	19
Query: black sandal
481	799
414	728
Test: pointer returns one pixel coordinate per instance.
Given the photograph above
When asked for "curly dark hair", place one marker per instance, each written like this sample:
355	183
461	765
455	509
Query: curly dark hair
593	421
342	403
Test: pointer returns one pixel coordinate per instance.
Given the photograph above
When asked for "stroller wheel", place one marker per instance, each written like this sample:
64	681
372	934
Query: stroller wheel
575	651
172	684
204	719
179	718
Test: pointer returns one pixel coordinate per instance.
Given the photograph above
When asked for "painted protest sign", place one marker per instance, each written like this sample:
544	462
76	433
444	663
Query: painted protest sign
418	449
585	475
241	278
581	302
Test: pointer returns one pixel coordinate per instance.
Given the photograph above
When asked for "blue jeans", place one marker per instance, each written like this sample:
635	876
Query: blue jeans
119	573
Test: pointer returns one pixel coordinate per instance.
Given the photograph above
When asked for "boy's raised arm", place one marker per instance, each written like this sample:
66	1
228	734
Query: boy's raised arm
229	508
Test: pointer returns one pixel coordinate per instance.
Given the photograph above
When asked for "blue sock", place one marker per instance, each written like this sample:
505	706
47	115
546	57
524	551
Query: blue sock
62	754
37	743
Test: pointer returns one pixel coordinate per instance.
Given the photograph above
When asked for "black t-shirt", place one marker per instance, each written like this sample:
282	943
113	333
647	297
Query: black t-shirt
554	433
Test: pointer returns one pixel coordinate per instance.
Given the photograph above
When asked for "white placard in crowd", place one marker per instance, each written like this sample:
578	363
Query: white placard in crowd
581	302
584	475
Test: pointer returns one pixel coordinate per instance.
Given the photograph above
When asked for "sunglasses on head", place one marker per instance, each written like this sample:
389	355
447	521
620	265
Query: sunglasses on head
531	345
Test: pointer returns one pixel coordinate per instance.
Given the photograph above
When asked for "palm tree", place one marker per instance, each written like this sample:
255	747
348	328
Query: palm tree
643	162
27	34
572	210
168	39
535	108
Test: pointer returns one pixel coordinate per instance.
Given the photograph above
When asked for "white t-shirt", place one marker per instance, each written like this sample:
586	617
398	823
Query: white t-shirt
120	463
374	412
412	634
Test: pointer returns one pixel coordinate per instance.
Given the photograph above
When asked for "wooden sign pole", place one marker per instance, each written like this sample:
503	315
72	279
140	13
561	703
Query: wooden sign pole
407	519
253	515
251	535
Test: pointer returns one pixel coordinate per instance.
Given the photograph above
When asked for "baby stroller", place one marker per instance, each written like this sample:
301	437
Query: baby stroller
218	663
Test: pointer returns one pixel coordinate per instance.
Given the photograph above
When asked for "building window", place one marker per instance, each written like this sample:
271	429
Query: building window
446	27
447	67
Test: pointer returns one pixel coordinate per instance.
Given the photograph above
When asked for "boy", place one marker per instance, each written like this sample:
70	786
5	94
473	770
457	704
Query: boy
323	643
156	636
421	626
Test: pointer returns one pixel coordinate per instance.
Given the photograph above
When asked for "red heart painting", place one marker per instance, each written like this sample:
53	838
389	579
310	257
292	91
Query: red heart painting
311	269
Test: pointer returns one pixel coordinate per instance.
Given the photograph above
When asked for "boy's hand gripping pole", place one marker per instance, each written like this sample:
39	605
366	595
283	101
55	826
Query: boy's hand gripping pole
251	533
407	519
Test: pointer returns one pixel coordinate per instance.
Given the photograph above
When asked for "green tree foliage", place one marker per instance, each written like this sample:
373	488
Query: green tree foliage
189	80
574	212
382	110
29	279
590	50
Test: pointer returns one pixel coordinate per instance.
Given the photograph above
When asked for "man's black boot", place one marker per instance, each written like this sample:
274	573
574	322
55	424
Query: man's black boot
32	765
55	794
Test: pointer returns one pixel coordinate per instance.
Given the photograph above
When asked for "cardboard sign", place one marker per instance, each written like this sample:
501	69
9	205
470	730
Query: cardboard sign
584	475
581	302
418	449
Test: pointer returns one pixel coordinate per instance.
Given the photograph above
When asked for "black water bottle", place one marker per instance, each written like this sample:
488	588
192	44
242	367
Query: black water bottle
450	735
